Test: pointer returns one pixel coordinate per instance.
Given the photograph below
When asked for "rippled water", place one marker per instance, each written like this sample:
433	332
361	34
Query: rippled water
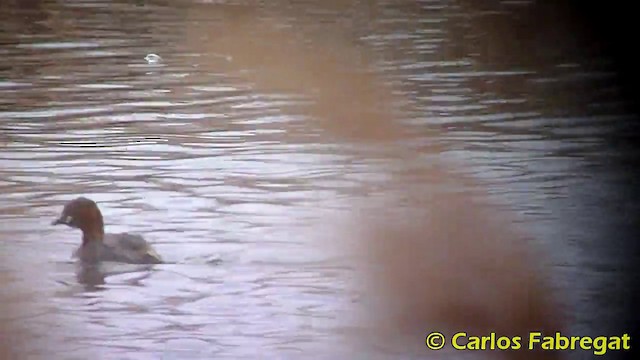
199	162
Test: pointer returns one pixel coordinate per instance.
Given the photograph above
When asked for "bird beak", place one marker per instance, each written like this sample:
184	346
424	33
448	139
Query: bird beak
57	222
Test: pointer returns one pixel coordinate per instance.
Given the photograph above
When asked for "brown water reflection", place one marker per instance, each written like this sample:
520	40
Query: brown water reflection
229	152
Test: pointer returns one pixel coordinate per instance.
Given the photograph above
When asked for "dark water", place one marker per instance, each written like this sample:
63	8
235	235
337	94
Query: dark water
199	162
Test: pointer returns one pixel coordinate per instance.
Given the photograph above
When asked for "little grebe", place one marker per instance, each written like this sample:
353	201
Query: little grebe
83	214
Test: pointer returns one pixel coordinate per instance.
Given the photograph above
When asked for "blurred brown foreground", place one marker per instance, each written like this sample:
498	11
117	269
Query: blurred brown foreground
447	261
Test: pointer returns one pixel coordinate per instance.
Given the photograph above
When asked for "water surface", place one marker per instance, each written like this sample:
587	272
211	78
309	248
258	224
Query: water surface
199	161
